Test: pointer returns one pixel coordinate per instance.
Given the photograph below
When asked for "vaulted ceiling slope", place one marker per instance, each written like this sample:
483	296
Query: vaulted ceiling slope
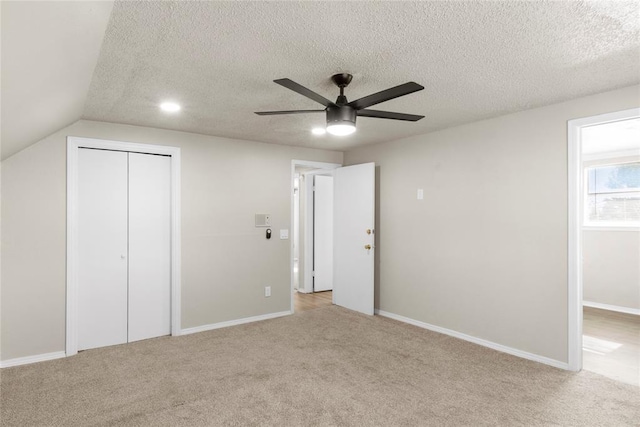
475	59
49	52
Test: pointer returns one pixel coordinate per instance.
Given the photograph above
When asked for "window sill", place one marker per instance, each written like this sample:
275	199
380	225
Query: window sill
610	228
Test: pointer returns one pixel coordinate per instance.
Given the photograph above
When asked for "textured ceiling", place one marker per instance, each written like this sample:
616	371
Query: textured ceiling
475	60
49	52
218	59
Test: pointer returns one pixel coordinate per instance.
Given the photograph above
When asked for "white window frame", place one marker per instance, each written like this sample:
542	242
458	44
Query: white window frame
604	225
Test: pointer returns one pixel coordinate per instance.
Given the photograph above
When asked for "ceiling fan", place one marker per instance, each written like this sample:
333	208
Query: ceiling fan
341	115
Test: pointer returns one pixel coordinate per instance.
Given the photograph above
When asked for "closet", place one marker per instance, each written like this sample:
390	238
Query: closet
124	247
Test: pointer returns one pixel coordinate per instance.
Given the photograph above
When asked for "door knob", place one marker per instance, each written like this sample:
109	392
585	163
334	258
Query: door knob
367	247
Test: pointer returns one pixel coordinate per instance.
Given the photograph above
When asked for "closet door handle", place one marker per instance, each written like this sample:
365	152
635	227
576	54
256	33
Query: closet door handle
123	257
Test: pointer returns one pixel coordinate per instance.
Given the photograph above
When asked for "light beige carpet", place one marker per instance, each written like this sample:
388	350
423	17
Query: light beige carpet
322	367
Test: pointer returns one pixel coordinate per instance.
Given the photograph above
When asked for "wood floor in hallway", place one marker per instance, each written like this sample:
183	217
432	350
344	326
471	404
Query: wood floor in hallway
611	344
304	302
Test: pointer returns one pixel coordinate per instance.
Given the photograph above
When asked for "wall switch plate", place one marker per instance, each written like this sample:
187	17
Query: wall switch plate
267	291
284	234
420	194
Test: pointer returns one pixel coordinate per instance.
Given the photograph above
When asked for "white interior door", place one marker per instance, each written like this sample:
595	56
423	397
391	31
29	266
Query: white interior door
323	234
149	246
353	253
102	248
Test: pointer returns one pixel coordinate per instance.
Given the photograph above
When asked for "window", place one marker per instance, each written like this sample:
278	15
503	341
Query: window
613	195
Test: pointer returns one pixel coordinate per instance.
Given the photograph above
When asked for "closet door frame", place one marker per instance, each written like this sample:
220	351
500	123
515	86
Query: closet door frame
73	145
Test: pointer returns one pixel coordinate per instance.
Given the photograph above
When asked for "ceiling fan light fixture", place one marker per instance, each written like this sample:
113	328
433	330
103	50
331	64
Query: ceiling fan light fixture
341	120
318	131
341	128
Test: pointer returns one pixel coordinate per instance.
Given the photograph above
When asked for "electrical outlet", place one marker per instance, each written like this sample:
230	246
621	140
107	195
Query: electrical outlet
267	291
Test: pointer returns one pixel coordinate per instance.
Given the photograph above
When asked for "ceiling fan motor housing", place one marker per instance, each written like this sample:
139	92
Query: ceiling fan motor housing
341	115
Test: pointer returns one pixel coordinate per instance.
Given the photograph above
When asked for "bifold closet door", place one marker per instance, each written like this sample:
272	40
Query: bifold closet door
149	246
124	247
102	248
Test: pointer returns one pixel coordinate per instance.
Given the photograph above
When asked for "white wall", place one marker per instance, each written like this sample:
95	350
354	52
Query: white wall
485	252
611	267
226	261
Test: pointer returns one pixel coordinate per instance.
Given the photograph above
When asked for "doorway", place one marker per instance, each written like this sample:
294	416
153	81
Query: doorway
604	245
304	245
352	236
76	244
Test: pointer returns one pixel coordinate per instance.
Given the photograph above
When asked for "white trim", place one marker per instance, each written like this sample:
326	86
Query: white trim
610	228
574	268
32	359
236	322
610	155
72	250
73	144
309	210
619	309
294	163
479	341
575	186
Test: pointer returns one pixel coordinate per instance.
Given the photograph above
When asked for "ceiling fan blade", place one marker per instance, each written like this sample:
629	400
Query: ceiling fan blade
290	84
385	95
389	115
273	113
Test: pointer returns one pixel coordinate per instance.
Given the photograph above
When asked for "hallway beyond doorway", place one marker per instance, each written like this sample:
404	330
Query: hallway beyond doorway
304	302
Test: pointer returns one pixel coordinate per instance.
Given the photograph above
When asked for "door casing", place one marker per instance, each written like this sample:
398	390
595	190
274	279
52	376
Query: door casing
303	163
73	145
575	187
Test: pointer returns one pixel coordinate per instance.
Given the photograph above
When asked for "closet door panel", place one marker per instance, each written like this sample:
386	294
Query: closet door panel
149	246
102	248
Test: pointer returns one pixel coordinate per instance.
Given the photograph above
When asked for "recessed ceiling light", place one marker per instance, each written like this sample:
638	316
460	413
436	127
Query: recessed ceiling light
170	107
318	131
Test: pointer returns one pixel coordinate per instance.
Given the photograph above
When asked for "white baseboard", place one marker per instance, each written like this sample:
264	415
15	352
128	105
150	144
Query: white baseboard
479	341
617	308
60	354
32	359
233	322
